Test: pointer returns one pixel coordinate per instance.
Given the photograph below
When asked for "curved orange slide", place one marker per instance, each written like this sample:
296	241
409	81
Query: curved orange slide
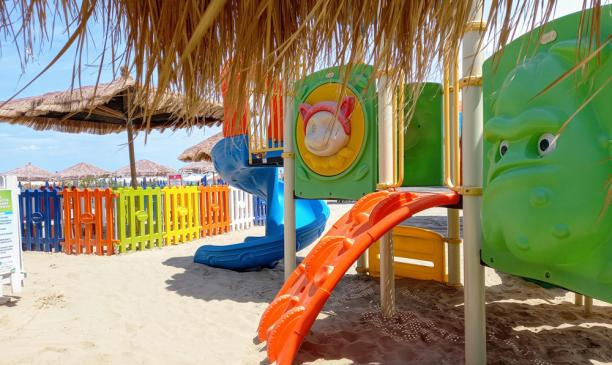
289	317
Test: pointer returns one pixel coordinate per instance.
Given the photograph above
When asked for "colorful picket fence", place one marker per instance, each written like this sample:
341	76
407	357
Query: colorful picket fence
105	222
41	219
89	221
259	211
181	214
241	209
214	209
139	218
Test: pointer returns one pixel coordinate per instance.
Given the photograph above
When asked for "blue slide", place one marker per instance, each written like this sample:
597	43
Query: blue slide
230	157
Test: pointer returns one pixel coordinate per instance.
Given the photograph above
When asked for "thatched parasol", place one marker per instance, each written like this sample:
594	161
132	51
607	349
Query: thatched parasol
201	151
108	108
200	167
274	40
82	170
145	168
29	172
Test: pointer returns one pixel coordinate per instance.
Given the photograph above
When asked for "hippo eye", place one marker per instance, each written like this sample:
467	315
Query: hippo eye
546	144
503	148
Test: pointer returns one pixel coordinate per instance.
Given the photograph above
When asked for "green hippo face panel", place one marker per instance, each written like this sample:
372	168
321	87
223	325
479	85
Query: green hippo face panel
545	207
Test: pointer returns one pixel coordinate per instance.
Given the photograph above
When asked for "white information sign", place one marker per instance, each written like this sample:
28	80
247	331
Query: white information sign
8	228
11	268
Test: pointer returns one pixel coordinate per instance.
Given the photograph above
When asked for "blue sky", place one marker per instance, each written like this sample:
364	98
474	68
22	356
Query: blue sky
55	151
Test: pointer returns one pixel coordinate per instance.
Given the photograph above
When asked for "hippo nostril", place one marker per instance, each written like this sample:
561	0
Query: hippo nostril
522	242
560	230
540	197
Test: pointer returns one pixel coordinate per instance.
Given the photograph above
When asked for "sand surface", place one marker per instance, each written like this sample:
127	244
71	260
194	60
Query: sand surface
158	307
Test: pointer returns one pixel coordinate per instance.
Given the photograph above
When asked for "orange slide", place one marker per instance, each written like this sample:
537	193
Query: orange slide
289	317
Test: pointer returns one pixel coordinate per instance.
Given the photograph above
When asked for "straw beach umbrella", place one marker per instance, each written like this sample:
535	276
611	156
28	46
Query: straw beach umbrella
29	172
201	151
277	40
200	167
145	168
82	170
108	108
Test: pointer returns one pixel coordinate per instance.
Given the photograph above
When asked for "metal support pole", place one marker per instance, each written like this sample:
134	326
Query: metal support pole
588	305
453	233
453	239
289	200
578	299
385	173
475	326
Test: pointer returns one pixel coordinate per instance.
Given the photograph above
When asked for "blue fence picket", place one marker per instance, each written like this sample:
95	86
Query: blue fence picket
260	210
41	219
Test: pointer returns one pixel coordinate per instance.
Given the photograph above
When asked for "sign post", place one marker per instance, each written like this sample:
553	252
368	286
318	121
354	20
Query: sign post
175	180
11	268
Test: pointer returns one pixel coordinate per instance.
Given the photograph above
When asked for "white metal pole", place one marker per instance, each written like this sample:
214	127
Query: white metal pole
453	232
473	57
385	177
289	173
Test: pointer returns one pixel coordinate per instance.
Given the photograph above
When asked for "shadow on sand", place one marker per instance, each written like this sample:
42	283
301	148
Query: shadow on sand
209	283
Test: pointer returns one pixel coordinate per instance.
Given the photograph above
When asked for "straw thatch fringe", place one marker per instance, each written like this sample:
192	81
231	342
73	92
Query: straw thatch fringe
145	168
201	151
98	110
82	170
29	172
182	45
200	167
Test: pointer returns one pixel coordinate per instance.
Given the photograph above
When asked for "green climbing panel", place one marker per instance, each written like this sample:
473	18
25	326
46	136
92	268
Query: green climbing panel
546	211
423	139
336	134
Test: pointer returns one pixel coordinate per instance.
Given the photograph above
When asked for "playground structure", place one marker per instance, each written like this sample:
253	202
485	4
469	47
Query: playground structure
349	146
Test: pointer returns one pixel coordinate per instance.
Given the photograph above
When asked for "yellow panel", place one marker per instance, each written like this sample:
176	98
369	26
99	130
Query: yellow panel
416	244
338	163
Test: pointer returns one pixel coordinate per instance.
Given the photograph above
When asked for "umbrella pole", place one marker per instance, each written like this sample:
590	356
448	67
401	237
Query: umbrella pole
130	135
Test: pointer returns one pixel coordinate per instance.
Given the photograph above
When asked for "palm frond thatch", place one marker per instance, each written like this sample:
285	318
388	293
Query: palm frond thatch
183	45
29	172
201	151
102	109
81	170
145	168
200	167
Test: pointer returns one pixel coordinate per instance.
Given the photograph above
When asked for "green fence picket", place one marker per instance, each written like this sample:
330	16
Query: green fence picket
139	219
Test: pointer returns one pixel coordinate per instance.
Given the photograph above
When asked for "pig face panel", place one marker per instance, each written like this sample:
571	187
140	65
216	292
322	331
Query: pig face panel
327	125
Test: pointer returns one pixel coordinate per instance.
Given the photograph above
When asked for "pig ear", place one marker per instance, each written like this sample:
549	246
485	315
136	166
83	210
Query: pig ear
347	106
304	107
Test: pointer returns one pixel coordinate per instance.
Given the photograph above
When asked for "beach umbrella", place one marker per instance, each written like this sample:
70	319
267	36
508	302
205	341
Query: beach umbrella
200	167
201	151
109	108
29	172
81	170
145	168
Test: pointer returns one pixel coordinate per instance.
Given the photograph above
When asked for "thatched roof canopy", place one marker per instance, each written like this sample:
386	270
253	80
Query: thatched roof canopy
146	168
82	170
201	151
184	45
29	172
103	109
200	167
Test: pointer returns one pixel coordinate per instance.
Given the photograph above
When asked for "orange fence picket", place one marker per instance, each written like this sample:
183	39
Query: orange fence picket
214	209
89	224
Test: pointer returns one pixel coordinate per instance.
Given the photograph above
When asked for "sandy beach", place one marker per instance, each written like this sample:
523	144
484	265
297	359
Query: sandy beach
158	307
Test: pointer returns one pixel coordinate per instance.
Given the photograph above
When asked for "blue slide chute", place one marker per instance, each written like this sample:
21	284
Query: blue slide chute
230	157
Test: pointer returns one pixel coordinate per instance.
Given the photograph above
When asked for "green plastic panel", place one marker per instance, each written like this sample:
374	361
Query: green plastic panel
361	176
423	139
545	207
